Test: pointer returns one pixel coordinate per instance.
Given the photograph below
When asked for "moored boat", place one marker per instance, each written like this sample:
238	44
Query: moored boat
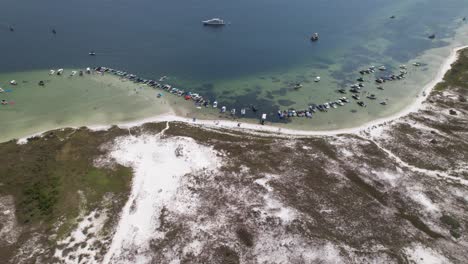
314	37
214	22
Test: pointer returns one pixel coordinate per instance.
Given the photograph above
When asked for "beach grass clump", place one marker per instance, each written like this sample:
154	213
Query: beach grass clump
453	224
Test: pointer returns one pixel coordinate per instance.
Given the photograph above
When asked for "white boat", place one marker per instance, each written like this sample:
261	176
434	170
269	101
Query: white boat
88	70
317	79
314	37
214	22
1	90
51	72
13	82
215	104
73	73
59	71
223	109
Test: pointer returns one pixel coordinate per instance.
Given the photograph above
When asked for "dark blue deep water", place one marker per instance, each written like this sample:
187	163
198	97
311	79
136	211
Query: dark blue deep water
154	37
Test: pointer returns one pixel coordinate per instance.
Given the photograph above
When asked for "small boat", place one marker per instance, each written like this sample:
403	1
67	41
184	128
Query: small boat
243	111
372	96
360	79
392	17
233	111
13	82
416	64
327	105
383	103
92	53
297	86
214	22
403	67
54	31
339	102
81	73
314	37
162	79
223	109
59	71
361	103
317	79
344	100
215	104
1	90
11	29
51	72
464	19
382	68
343	91
88	70
432	36
380	88
355	96
73	73
424	93
254	109
41	83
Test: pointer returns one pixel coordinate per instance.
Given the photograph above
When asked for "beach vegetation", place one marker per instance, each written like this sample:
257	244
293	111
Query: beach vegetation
457	76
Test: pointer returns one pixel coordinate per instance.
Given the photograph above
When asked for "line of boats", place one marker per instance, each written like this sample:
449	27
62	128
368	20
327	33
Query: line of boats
200	101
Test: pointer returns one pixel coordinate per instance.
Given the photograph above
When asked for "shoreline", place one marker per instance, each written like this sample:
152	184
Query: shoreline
262	129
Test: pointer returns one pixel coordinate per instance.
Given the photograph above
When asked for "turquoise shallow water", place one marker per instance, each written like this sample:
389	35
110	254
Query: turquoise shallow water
264	49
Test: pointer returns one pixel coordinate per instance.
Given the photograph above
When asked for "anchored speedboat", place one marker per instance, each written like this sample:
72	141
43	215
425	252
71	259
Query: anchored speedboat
314	37
214	22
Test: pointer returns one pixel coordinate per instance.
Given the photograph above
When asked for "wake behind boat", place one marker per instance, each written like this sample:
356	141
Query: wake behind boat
214	22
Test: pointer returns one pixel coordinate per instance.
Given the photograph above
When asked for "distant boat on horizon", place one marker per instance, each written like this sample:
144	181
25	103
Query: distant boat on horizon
214	22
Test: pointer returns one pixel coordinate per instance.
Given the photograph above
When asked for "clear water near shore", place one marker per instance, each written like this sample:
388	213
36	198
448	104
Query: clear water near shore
253	60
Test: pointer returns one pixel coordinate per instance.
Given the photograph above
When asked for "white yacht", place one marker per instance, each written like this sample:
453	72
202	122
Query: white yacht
214	22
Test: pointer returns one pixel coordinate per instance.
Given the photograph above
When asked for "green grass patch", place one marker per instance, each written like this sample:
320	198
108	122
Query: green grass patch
458	75
53	178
